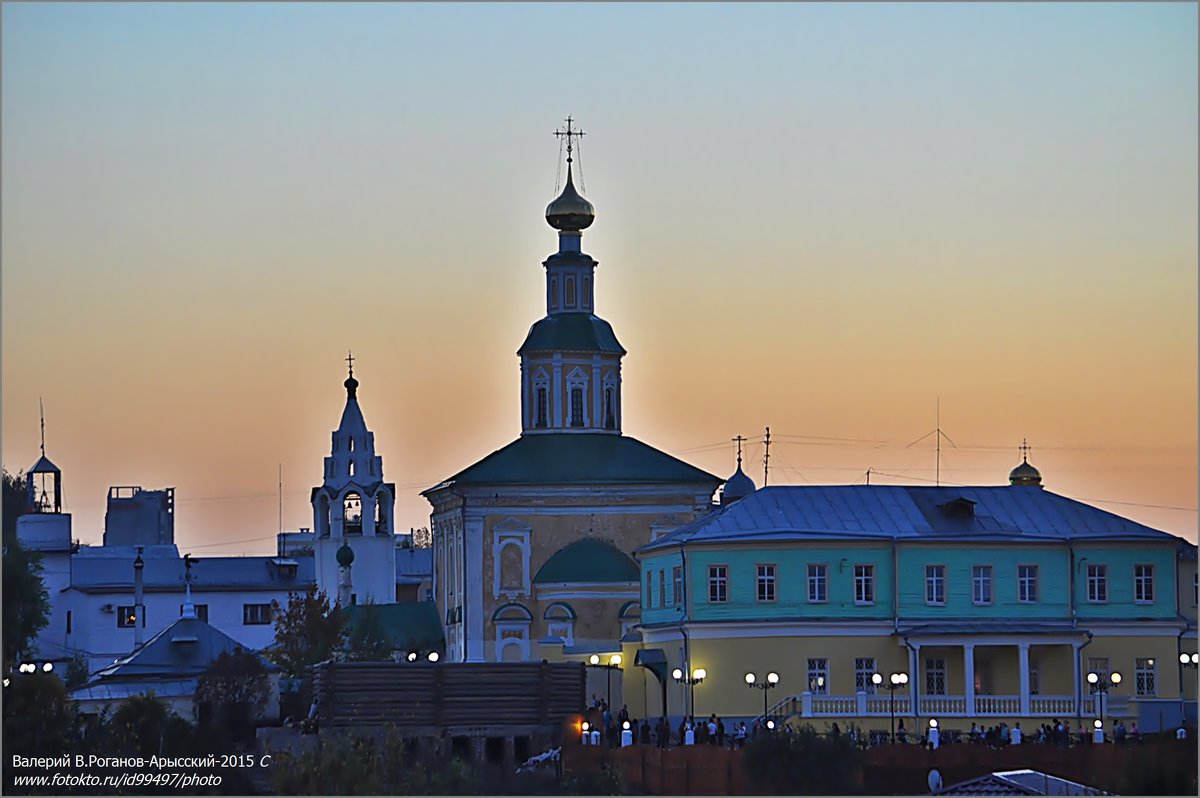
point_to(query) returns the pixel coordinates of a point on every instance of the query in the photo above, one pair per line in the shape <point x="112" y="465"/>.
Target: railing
<point x="881" y="705"/>
<point x="836" y="705"/>
<point x="1054" y="705"/>
<point x="943" y="705"/>
<point x="997" y="705"/>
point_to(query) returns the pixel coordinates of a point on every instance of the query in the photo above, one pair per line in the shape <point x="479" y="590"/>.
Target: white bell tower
<point x="355" y="507"/>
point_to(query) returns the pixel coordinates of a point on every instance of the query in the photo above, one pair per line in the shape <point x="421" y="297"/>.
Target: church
<point x="533" y="544"/>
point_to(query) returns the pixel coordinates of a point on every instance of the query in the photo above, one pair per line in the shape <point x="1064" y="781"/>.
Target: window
<point x="818" y="584"/>
<point x="1027" y="588"/>
<point x="662" y="588"/>
<point x="677" y="584"/>
<point x="1143" y="677"/>
<point x="935" y="584"/>
<point x="127" y="616"/>
<point x="563" y="630"/>
<point x="610" y="419"/>
<point x="1099" y="666"/>
<point x="256" y="614"/>
<point x="818" y="676"/>
<point x="766" y="583"/>
<point x="1143" y="585"/>
<point x="981" y="584"/>
<point x="1097" y="583"/>
<point x="351" y="442"/>
<point x="201" y="611"/>
<point x="864" y="584"/>
<point x="864" y="669"/>
<point x="68" y="622"/>
<point x="1035" y="680"/>
<point x="649" y="589"/>
<point x="540" y="419"/>
<point x="935" y="676"/>
<point x="718" y="583"/>
<point x="576" y="407"/>
<point x="352" y="513"/>
<point x="570" y="284"/>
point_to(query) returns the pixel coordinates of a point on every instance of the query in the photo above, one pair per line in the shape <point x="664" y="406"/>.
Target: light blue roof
<point x="816" y="512"/>
<point x="413" y="565"/>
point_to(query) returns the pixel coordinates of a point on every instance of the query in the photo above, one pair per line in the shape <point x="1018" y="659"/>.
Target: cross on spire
<point x="350" y="361"/>
<point x="42" y="413"/>
<point x="570" y="134"/>
<point x="1024" y="447"/>
<point x="739" y="440"/>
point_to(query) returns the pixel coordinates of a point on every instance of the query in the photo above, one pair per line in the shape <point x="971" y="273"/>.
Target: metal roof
<point x="916" y="513"/>
<point x="414" y="564"/>
<point x="1019" y="782"/>
<point x="571" y="332"/>
<point x="96" y="573"/>
<point x="407" y="625"/>
<point x="184" y="649"/>
<point x="566" y="458"/>
<point x="588" y="560"/>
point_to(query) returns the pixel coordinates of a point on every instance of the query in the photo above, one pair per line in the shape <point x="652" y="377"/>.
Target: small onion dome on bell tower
<point x="1025" y="474"/>
<point x="351" y="383"/>
<point x="345" y="555"/>
<point x="570" y="212"/>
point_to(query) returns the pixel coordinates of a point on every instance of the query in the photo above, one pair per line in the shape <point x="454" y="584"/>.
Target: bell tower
<point x="355" y="507"/>
<point x="571" y="359"/>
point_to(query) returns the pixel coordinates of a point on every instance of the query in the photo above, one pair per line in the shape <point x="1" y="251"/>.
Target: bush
<point x="803" y="763"/>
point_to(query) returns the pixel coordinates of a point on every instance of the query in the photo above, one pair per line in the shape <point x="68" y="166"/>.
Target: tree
<point x="26" y="602"/>
<point x="803" y="763"/>
<point x="77" y="672"/>
<point x="368" y="640"/>
<point x="308" y="631"/>
<point x="233" y="691"/>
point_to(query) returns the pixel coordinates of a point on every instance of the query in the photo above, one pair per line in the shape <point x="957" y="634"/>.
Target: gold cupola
<point x="570" y="212"/>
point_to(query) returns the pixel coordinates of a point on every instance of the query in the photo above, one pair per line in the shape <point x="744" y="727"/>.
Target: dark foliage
<point x="232" y="692"/>
<point x="26" y="603"/>
<point x="307" y="631"/>
<point x="803" y="762"/>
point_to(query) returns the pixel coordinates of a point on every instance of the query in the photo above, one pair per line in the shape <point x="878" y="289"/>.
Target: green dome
<point x="588" y="560"/>
<point x="345" y="555"/>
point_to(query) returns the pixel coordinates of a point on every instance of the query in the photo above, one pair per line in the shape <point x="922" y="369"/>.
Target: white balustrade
<point x="934" y="705"/>
<point x="1052" y="705"/>
<point x="836" y="705"/>
<point x="997" y="705"/>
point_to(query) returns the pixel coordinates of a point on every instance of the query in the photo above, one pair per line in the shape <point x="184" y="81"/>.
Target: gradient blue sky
<point x="818" y="217"/>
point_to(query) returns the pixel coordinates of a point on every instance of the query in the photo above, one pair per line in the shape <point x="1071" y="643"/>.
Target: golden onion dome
<point x="570" y="211"/>
<point x="1024" y="474"/>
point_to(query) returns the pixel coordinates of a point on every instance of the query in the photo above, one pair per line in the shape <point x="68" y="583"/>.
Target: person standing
<point x="1014" y="734"/>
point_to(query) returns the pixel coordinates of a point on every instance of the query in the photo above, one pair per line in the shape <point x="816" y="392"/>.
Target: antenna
<point x="938" y="435"/>
<point x="766" y="456"/>
<point x="42" y="413"/>
<point x="868" y="476"/>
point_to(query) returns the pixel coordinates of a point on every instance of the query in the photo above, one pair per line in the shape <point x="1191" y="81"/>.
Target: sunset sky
<point x="820" y="218"/>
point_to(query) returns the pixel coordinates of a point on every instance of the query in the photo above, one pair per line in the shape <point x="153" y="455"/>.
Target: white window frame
<point x="662" y="587"/>
<point x="818" y="577"/>
<point x="864" y="584"/>
<point x="766" y="583"/>
<point x="1027" y="584"/>
<point x="864" y="669"/>
<point x="935" y="667"/>
<point x="818" y="675"/>
<point x="1143" y="583"/>
<point x="255" y="614"/>
<point x="981" y="577"/>
<point x="564" y="629"/>
<point x="1097" y="665"/>
<point x="935" y="585"/>
<point x="677" y="585"/>
<point x="124" y="612"/>
<point x="577" y="380"/>
<point x="649" y="590"/>
<point x="1097" y="583"/>
<point x="718" y="584"/>
<point x="1145" y="677"/>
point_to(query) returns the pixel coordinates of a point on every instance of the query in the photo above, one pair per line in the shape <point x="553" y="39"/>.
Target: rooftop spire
<point x="570" y="212"/>
<point x="1024" y="447"/>
<point x="350" y="383"/>
<point x="42" y="413"/>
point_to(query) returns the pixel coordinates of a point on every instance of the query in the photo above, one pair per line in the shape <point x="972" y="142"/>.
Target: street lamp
<point x="691" y="681"/>
<point x="614" y="663"/>
<point x="1189" y="660"/>
<point x="1101" y="684"/>
<point x="894" y="683"/>
<point x="771" y="681"/>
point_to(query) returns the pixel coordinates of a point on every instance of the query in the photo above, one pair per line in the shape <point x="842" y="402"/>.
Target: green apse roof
<point x="588" y="560"/>
<point x="564" y="458"/>
<point x="571" y="332"/>
<point x="408" y="625"/>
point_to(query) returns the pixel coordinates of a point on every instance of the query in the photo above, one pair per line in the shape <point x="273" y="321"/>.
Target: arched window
<point x="541" y="419"/>
<point x="351" y="468"/>
<point x="576" y="407"/>
<point x="610" y="420"/>
<point x="351" y="443"/>
<point x="380" y="512"/>
<point x="352" y="514"/>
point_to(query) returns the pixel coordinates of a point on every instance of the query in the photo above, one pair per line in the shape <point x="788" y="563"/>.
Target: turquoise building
<point x="995" y="603"/>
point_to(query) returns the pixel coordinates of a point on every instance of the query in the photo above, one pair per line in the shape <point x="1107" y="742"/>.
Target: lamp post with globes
<point x="691" y="681"/>
<point x="1101" y="684"/>
<point x="894" y="683"/>
<point x="614" y="663"/>
<point x="771" y="680"/>
<point x="1189" y="660"/>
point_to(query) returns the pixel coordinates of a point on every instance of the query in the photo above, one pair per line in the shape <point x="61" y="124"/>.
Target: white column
<point x="473" y="590"/>
<point x="969" y="676"/>
<point x="1023" y="665"/>
<point x="915" y="680"/>
<point x="1077" y="698"/>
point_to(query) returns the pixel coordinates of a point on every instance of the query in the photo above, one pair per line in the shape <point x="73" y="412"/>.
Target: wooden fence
<point x="423" y="697"/>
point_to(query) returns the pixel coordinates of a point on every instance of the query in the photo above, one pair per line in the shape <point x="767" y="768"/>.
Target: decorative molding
<point x="510" y="532"/>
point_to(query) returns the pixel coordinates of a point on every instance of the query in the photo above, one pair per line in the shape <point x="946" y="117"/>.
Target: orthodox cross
<point x="766" y="456"/>
<point x="1024" y="447"/>
<point x="42" y="413"/>
<point x="739" y="440"/>
<point x="570" y="134"/>
<point x="350" y="361"/>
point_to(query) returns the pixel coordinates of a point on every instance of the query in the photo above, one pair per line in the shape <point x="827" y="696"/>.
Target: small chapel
<point x="533" y="544"/>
